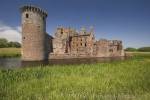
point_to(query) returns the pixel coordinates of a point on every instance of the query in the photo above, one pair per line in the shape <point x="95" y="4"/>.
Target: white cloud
<point x="10" y="33"/>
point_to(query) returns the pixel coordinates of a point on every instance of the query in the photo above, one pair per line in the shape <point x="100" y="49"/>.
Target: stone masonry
<point x="34" y="36"/>
<point x="66" y="43"/>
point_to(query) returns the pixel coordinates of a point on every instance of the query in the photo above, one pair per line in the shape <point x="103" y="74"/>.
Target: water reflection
<point x="16" y="62"/>
<point x="10" y="62"/>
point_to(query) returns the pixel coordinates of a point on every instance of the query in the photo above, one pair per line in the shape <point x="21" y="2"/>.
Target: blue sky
<point x="126" y="20"/>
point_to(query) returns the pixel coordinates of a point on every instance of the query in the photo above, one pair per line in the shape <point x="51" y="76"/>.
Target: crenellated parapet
<point x="33" y="8"/>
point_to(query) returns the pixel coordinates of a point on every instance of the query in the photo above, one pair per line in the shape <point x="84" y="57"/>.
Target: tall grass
<point x="10" y="52"/>
<point x="120" y="80"/>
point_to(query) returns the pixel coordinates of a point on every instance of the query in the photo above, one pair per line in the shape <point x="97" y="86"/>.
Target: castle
<point x="66" y="43"/>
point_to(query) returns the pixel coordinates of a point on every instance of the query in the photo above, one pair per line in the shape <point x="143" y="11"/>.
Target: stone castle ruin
<point x="66" y="43"/>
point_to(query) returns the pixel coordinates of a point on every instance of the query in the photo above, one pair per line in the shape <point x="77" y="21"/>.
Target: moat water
<point x="10" y="63"/>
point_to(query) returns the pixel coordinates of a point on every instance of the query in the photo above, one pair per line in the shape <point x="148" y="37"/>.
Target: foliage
<point x="144" y="49"/>
<point x="130" y="49"/>
<point x="5" y="44"/>
<point x="120" y="80"/>
<point x="14" y="44"/>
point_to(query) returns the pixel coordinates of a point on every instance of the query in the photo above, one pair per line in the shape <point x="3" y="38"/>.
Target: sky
<point x="126" y="20"/>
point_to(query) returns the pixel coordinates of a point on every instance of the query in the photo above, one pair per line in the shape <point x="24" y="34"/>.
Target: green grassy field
<point x="10" y="52"/>
<point x="119" y="80"/>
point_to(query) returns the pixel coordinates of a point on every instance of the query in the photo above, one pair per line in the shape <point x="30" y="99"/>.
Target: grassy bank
<point x="121" y="80"/>
<point x="10" y="52"/>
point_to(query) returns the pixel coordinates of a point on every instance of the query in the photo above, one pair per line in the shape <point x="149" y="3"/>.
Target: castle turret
<point x="33" y="33"/>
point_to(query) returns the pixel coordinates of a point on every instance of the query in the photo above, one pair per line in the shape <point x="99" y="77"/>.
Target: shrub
<point x="144" y="49"/>
<point x="4" y="43"/>
<point x="130" y="49"/>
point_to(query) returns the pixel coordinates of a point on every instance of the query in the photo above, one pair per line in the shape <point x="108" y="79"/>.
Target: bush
<point x="14" y="44"/>
<point x="4" y="43"/>
<point x="144" y="49"/>
<point x="130" y="49"/>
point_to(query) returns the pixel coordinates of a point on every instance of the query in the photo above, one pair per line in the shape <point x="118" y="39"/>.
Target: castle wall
<point x="115" y="48"/>
<point x="101" y="48"/>
<point x="60" y="41"/>
<point x="49" y="44"/>
<point x="33" y="34"/>
<point x="66" y="43"/>
<point x="83" y="45"/>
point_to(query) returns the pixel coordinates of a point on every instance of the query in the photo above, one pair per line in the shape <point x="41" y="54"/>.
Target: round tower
<point x="33" y="33"/>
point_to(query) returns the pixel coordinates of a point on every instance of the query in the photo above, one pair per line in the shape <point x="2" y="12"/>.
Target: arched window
<point x="85" y="44"/>
<point x="110" y="50"/>
<point x="119" y="48"/>
<point x="27" y="15"/>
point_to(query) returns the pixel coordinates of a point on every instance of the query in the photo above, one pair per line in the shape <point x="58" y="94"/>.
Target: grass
<point x="10" y="52"/>
<point x="119" y="80"/>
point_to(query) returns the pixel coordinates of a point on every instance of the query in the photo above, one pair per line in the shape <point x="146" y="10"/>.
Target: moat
<point x="11" y="63"/>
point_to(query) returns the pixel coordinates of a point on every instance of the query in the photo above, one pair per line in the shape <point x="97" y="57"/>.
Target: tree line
<point x="4" y="43"/>
<point x="142" y="49"/>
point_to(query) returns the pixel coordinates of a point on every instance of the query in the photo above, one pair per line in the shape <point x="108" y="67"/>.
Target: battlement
<point x="33" y="9"/>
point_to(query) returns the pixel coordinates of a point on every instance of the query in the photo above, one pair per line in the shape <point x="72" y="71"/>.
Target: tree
<point x="131" y="49"/>
<point x="17" y="44"/>
<point x="144" y="49"/>
<point x="14" y="44"/>
<point x="3" y="43"/>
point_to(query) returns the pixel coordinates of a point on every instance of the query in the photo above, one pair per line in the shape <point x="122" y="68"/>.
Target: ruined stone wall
<point x="68" y="43"/>
<point x="108" y="48"/>
<point x="59" y="46"/>
<point x="115" y="48"/>
<point x="60" y="41"/>
<point x="101" y="48"/>
<point x="49" y="43"/>
<point x="81" y="45"/>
